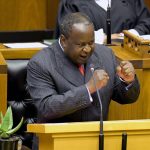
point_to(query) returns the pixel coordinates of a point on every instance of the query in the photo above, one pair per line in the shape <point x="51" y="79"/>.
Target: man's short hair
<point x="73" y="18"/>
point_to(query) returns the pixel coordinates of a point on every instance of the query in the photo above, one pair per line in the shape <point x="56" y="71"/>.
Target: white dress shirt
<point x="103" y="3"/>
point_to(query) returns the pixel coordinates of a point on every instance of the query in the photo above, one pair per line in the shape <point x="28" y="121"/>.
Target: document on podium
<point x="49" y="41"/>
<point x="25" y="45"/>
<point x="145" y="37"/>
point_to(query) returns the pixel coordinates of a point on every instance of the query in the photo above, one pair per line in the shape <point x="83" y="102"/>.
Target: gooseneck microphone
<point x="101" y="135"/>
<point x="108" y="24"/>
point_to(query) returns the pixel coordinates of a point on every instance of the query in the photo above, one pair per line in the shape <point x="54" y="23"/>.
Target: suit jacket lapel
<point x="70" y="71"/>
<point x="67" y="68"/>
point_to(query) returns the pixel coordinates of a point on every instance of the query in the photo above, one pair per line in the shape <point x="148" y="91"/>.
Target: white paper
<point x="25" y="45"/>
<point x="145" y="37"/>
<point x="99" y="36"/>
<point x="133" y="31"/>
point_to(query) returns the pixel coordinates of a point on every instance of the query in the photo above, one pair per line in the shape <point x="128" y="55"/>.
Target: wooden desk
<point x="18" y="53"/>
<point x="84" y="135"/>
<point x="2" y="46"/>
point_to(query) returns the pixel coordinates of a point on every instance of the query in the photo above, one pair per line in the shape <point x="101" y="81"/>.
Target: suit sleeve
<point x="121" y="93"/>
<point x="49" y="103"/>
<point x="143" y="17"/>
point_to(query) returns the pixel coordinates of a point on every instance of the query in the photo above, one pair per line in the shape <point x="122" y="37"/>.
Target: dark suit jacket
<point x="125" y="14"/>
<point x="58" y="88"/>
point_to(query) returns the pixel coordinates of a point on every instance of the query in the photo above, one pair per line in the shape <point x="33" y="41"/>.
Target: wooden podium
<point x="84" y="136"/>
<point x="137" y="51"/>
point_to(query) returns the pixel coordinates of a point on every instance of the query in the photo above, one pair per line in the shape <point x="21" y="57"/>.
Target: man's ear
<point x="63" y="41"/>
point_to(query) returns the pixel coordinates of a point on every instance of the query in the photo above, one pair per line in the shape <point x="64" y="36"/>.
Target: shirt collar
<point x="60" y="45"/>
<point x="103" y="3"/>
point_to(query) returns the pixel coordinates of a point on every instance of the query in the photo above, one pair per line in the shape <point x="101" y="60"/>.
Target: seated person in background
<point x="60" y="81"/>
<point x="125" y="14"/>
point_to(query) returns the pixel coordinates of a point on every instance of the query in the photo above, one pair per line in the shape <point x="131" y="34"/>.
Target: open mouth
<point x="83" y="57"/>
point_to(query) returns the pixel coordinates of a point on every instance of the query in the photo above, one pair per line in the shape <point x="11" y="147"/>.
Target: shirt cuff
<point x="91" y="99"/>
<point x="128" y="86"/>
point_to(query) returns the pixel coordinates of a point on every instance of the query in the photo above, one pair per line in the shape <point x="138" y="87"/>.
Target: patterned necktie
<point x="81" y="69"/>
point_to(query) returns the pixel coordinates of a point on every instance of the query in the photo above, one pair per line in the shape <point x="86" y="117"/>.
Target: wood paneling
<point x="3" y="84"/>
<point x="23" y="14"/>
<point x="138" y="110"/>
<point x="147" y="2"/>
<point x="52" y="13"/>
<point x="28" y="14"/>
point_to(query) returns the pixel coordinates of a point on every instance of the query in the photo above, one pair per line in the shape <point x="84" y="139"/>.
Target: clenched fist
<point x="126" y="71"/>
<point x="101" y="79"/>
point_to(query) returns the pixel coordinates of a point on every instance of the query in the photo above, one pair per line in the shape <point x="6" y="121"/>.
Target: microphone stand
<point x="101" y="135"/>
<point x="124" y="141"/>
<point x="108" y="25"/>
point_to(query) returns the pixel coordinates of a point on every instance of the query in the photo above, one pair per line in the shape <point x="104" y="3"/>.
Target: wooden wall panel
<point x="139" y="109"/>
<point x="147" y="2"/>
<point x="23" y="14"/>
<point x="3" y="84"/>
<point x="3" y="93"/>
<point x="52" y="7"/>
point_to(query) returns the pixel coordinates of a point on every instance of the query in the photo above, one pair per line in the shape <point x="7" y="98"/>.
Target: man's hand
<point x="126" y="71"/>
<point x="101" y="79"/>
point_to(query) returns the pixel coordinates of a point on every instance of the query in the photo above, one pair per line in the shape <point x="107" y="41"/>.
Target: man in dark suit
<point x="60" y="80"/>
<point x="125" y="14"/>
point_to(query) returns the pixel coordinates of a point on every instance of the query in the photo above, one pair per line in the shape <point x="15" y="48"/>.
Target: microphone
<point x="108" y="24"/>
<point x="101" y="135"/>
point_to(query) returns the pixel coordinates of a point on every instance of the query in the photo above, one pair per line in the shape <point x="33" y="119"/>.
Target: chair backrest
<point x="18" y="97"/>
<point x="25" y="36"/>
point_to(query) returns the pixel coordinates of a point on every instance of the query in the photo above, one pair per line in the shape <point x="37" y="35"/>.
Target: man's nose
<point x="87" y="48"/>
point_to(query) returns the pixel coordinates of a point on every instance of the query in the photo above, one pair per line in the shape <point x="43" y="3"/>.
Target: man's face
<point x="80" y="43"/>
